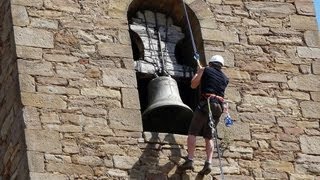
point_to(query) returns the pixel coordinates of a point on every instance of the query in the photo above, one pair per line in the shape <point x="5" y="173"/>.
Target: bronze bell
<point x="166" y="112"/>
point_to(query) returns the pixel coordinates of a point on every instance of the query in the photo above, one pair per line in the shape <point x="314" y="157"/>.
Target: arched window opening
<point x="162" y="48"/>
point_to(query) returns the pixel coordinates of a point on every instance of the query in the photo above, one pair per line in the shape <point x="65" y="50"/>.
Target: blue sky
<point x="317" y="7"/>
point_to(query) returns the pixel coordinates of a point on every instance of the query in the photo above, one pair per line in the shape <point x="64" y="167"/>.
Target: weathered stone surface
<point x="310" y="23"/>
<point x="25" y="52"/>
<point x="31" y="118"/>
<point x="258" y="118"/>
<point x="310" y="109"/>
<point x="35" y="68"/>
<point x="302" y="158"/>
<point x="201" y="9"/>
<point x="232" y="94"/>
<point x="69" y="169"/>
<point x="70" y="146"/>
<point x="270" y="9"/>
<point x="47" y="176"/>
<point x="130" y="98"/>
<point x="315" y="96"/>
<point x="72" y="71"/>
<point x="50" y="118"/>
<point x="301" y="177"/>
<point x="216" y="35"/>
<point x="60" y="58"/>
<point x="237" y="74"/>
<point x="87" y="160"/>
<point x="306" y="52"/>
<point x="312" y="38"/>
<point x="259" y="100"/>
<point x="33" y="37"/>
<point x="233" y="133"/>
<point x="32" y="3"/>
<point x="58" y="90"/>
<point x="310" y="144"/>
<point x="101" y="91"/>
<point x="43" y="100"/>
<point x="305" y="8"/>
<point x="64" y="128"/>
<point x="305" y="83"/>
<point x="285" y="146"/>
<point x="52" y="80"/>
<point x="125" y="119"/>
<point x="119" y="78"/>
<point x="115" y="50"/>
<point x="62" y="5"/>
<point x="41" y="23"/>
<point x="278" y="166"/>
<point x="124" y="162"/>
<point x="316" y="67"/>
<point x="35" y="161"/>
<point x="110" y="149"/>
<point x="27" y="83"/>
<point x="19" y="15"/>
<point x="43" y="141"/>
<point x="98" y="126"/>
<point x="272" y="77"/>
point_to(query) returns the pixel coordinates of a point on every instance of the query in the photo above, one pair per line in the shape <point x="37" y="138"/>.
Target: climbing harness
<point x="196" y="54"/>
<point x="214" y="131"/>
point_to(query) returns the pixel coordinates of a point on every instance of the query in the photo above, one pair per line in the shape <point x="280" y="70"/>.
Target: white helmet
<point x="217" y="58"/>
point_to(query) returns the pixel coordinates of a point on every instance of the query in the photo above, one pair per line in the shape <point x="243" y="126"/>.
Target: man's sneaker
<point x="206" y="169"/>
<point x="188" y="164"/>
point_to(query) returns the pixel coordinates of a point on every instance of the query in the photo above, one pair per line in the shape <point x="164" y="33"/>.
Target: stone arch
<point x="153" y="21"/>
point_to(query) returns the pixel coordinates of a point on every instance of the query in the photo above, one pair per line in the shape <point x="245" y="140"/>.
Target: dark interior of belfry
<point x="163" y="111"/>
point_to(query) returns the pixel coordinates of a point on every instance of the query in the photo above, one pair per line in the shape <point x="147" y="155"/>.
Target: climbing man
<point x="213" y="83"/>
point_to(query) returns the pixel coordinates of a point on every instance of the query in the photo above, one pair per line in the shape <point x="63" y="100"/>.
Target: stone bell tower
<point x="74" y="74"/>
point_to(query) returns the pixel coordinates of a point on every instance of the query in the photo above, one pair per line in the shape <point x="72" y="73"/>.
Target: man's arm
<point x="197" y="78"/>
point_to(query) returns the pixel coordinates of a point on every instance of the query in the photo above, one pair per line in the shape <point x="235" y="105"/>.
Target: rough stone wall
<point x="13" y="163"/>
<point x="81" y="106"/>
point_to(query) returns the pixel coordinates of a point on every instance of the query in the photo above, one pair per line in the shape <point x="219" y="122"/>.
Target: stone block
<point x="310" y="109"/>
<point x="49" y="118"/>
<point x="33" y="37"/>
<point x="270" y="9"/>
<point x="315" y="96"/>
<point x="285" y="146"/>
<point x="69" y="169"/>
<point x="309" y="22"/>
<point x="25" y="52"/>
<point x="312" y="38"/>
<point x="27" y="83"/>
<point x="64" y="128"/>
<point x="316" y="67"/>
<point x="310" y="144"/>
<point x="303" y="158"/>
<point x="70" y="71"/>
<point x="70" y="146"/>
<point x="130" y="98"/>
<point x="30" y="3"/>
<point x="47" y="176"/>
<point x="259" y="100"/>
<point x="237" y="74"/>
<point x="62" y="5"/>
<point x="60" y="58"/>
<point x="258" y="118"/>
<point x="87" y="160"/>
<point x="209" y="23"/>
<point x="272" y="77"/>
<point x="125" y="119"/>
<point x="44" y="23"/>
<point x="52" y="80"/>
<point x="35" y="68"/>
<point x="101" y="92"/>
<point x="232" y="94"/>
<point x="306" y="52"/>
<point x="119" y="78"/>
<point x="97" y="126"/>
<point x="35" y="161"/>
<point x="201" y="9"/>
<point x="19" y="15"/>
<point x="217" y="35"/>
<point x="305" y="82"/>
<point x="278" y="166"/>
<point x="301" y="177"/>
<point x="58" y="90"/>
<point x="305" y="7"/>
<point x="31" y="118"/>
<point x="115" y="50"/>
<point x="43" y="141"/>
<point x="285" y="40"/>
<point x="233" y="131"/>
<point x="118" y="9"/>
<point x="125" y="162"/>
<point x="43" y="100"/>
<point x="110" y="149"/>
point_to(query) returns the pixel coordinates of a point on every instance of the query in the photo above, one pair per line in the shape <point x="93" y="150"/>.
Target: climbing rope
<point x="196" y="54"/>
<point x="214" y="131"/>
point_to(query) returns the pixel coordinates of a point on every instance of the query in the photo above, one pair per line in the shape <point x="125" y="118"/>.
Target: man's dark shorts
<point x="200" y="122"/>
